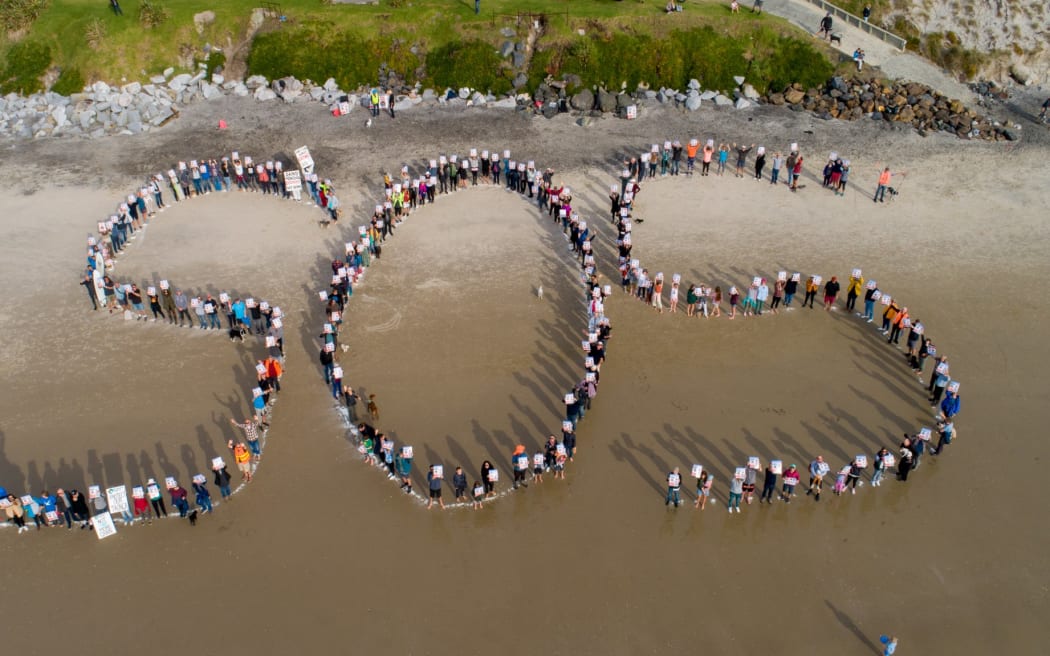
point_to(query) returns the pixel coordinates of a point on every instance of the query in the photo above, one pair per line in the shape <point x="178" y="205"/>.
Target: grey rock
<point x="519" y="59"/>
<point x="507" y="49"/>
<point x="623" y="101"/>
<point x="708" y="95"/>
<point x="505" y="103"/>
<point x="256" y="81"/>
<point x="265" y="93"/>
<point x="217" y="78"/>
<point x="679" y="97"/>
<point x="876" y="116"/>
<point x="404" y="103"/>
<point x="429" y="94"/>
<point x="692" y="103"/>
<point x="750" y="93"/>
<point x="317" y="93"/>
<point x="464" y="93"/>
<point x="1010" y="135"/>
<point x="722" y="101"/>
<point x="124" y="100"/>
<point x="739" y="79"/>
<point x="478" y="99"/>
<point x="507" y="32"/>
<point x="649" y="94"/>
<point x="168" y="72"/>
<point x="132" y="88"/>
<point x="331" y="85"/>
<point x="164" y="114"/>
<point x="100" y="87"/>
<point x="59" y="114"/>
<point x="240" y="90"/>
<point x="133" y="116"/>
<point x="134" y="128"/>
<point x="606" y="101"/>
<point x="586" y="121"/>
<point x="210" y="91"/>
<point x="520" y="80"/>
<point x="743" y="103"/>
<point x="694" y="84"/>
<point x="584" y="100"/>
<point x="179" y="82"/>
<point x="86" y="117"/>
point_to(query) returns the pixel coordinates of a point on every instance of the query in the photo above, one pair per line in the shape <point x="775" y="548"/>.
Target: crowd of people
<point x="404" y="195"/>
<point x="228" y="312"/>
<point x="706" y="300"/>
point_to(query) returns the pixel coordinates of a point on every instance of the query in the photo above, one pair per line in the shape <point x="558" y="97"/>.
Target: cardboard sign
<point x="103" y="524"/>
<point x="493" y="475"/>
<point x="306" y="162"/>
<point x="777" y="467"/>
<point x="292" y="180"/>
<point x="740" y="473"/>
<point x="698" y="470"/>
<point x="337" y="373"/>
<point x="217" y="463"/>
<point x="560" y="449"/>
<point x="862" y="461"/>
<point x="117" y="498"/>
<point x="817" y="280"/>
<point x="170" y="483"/>
<point x="754" y="463"/>
<point x="889" y="460"/>
<point x="154" y="491"/>
<point x="796" y="277"/>
<point x="674" y="480"/>
<point x="94" y="491"/>
<point x="538" y="460"/>
<point x="138" y="493"/>
<point x="953" y="387"/>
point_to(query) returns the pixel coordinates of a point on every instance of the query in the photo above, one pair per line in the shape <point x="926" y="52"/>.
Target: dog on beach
<point x="193" y="517"/>
<point x="237" y="332"/>
<point x="373" y="409"/>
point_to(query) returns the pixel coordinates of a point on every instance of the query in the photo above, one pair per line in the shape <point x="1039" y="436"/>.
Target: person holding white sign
<point x="811" y="292"/>
<point x="818" y="469"/>
<point x="488" y="479"/>
<point x="736" y="491"/>
<point x="879" y="466"/>
<point x="520" y="465"/>
<point x="853" y="476"/>
<point x="950" y="405"/>
<point x="791" y="478"/>
<point x="434" y="483"/>
<point x="946" y="431"/>
<point x="674" y="488"/>
<point x="403" y="465"/>
<point x="769" y="485"/>
<point x="703" y="489"/>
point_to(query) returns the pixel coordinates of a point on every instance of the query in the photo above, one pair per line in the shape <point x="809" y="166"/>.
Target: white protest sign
<point x="953" y="387"/>
<point x="942" y="368"/>
<point x="336" y="316"/>
<point x="493" y="475"/>
<point x="886" y="299"/>
<point x="94" y="491"/>
<point x="776" y="466"/>
<point x="103" y="524"/>
<point x="856" y="273"/>
<point x="862" y="461"/>
<point x="876" y="295"/>
<point x="169" y="482"/>
<point x="537" y="460"/>
<point x="439" y="471"/>
<point x="817" y="280"/>
<point x="154" y="491"/>
<point x="224" y="297"/>
<point x="260" y="368"/>
<point x="698" y="470"/>
<point x="199" y="479"/>
<point x="754" y="463"/>
<point x="560" y="449"/>
<point x="271" y="341"/>
<point x="138" y="493"/>
<point x="674" y="480"/>
<point x="796" y="277"/>
<point x="117" y="498"/>
<point x="872" y="284"/>
<point x="782" y="276"/>
<point x="329" y="347"/>
<point x="293" y="180"/>
<point x="337" y="373"/>
<point x="756" y="281"/>
<point x="164" y="284"/>
<point x="406" y="451"/>
<point x="889" y="460"/>
<point x="740" y="473"/>
<point x="306" y="162"/>
<point x="256" y="392"/>
<point x="570" y="399"/>
<point x="523" y="461"/>
<point x="217" y="463"/>
<point x="323" y="295"/>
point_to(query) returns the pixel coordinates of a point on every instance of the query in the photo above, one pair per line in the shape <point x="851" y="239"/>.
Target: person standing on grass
<point x="674" y="487"/>
<point x="115" y="6"/>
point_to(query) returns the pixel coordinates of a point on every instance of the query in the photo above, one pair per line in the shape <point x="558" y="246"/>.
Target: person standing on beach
<point x="703" y="490"/>
<point x="907" y="456"/>
<point x="853" y="289"/>
<point x="487" y="478"/>
<point x="459" y="484"/>
<point x="885" y="177"/>
<point x="897" y="326"/>
<point x="796" y="173"/>
<point x="869" y="302"/>
<point x="811" y="292"/>
<point x="791" y="478"/>
<point x="879" y="466"/>
<point x="853" y="476"/>
<point x="88" y="283"/>
<point x="434" y="483"/>
<point x="520" y="466"/>
<point x="831" y="292"/>
<point x="946" y="432"/>
<point x="736" y="490"/>
<point x="769" y="485"/>
<point x="778" y="295"/>
<point x="818" y="469"/>
<point x="674" y="487"/>
<point x="403" y="465"/>
<point x="762" y="295"/>
<point x="741" y="158"/>
<point x="889" y="642"/>
<point x="790" y="289"/>
<point x="705" y="164"/>
<point x="950" y="405"/>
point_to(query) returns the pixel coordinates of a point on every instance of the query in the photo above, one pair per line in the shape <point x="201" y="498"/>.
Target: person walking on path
<point x="674" y="487"/>
<point x="826" y="24"/>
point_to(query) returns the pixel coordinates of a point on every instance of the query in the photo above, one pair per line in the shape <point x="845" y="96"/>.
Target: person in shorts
<point x="434" y="483"/>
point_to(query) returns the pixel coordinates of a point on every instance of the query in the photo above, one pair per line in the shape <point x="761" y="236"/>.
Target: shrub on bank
<point x="467" y="63"/>
<point x="26" y="64"/>
<point x="69" y="81"/>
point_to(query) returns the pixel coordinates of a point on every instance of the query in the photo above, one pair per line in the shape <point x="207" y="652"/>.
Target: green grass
<point x="24" y="67"/>
<point x="349" y="42"/>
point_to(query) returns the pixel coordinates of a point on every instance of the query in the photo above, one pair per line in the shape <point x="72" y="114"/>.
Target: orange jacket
<point x="690" y="150"/>
<point x="240" y="454"/>
<point x="273" y="368"/>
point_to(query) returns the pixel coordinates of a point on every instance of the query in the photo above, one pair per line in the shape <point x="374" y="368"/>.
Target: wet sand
<point x="323" y="550"/>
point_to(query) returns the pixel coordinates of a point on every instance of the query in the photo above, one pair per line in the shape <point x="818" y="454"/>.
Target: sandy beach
<point x="467" y="361"/>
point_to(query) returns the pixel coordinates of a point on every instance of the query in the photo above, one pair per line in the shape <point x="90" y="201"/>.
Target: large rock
<point x="202" y="20"/>
<point x="59" y="116"/>
<point x="606" y="101"/>
<point x="478" y="99"/>
<point x="708" y="95"/>
<point x="464" y="93"/>
<point x="265" y="93"/>
<point x="750" y="93"/>
<point x="256" y="81"/>
<point x="623" y="101"/>
<point x="743" y="103"/>
<point x="694" y="84"/>
<point x="739" y="79"/>
<point x="794" y="96"/>
<point x="218" y="79"/>
<point x="722" y="101"/>
<point x="100" y="88"/>
<point x="507" y="49"/>
<point x="179" y="82"/>
<point x="132" y="88"/>
<point x="429" y="94"/>
<point x="505" y="103"/>
<point x="240" y="90"/>
<point x="158" y="79"/>
<point x="331" y="85"/>
<point x="692" y="102"/>
<point x="210" y="91"/>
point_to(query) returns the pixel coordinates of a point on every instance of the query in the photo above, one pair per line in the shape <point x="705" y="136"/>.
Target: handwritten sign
<point x="872" y="284"/>
<point x="103" y="525"/>
<point x="306" y="162"/>
<point x="876" y="295"/>
<point x="117" y="498"/>
<point x="217" y="463"/>
<point x="674" y="480"/>
<point x="164" y="284"/>
<point x="796" y="277"/>
<point x="170" y="483"/>
<point x="537" y="460"/>
<point x="698" y="470"/>
<point x="94" y="491"/>
<point x="292" y="180"/>
<point x="776" y="466"/>
<point x="256" y="392"/>
<point x="154" y="491"/>
<point x="886" y="299"/>
<point x="861" y="460"/>
<point x="856" y="273"/>
<point x="337" y="373"/>
<point x="560" y="449"/>
<point x="740" y="473"/>
<point x="406" y="451"/>
<point x="754" y="463"/>
<point x="889" y="460"/>
<point x="493" y="475"/>
<point x="817" y="280"/>
<point x="942" y="368"/>
<point x="522" y="461"/>
<point x="756" y="281"/>
<point x="199" y="479"/>
<point x="570" y="399"/>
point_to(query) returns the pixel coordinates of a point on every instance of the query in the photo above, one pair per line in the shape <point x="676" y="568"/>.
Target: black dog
<point x="835" y="38"/>
<point x="237" y="333"/>
<point x="193" y="517"/>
